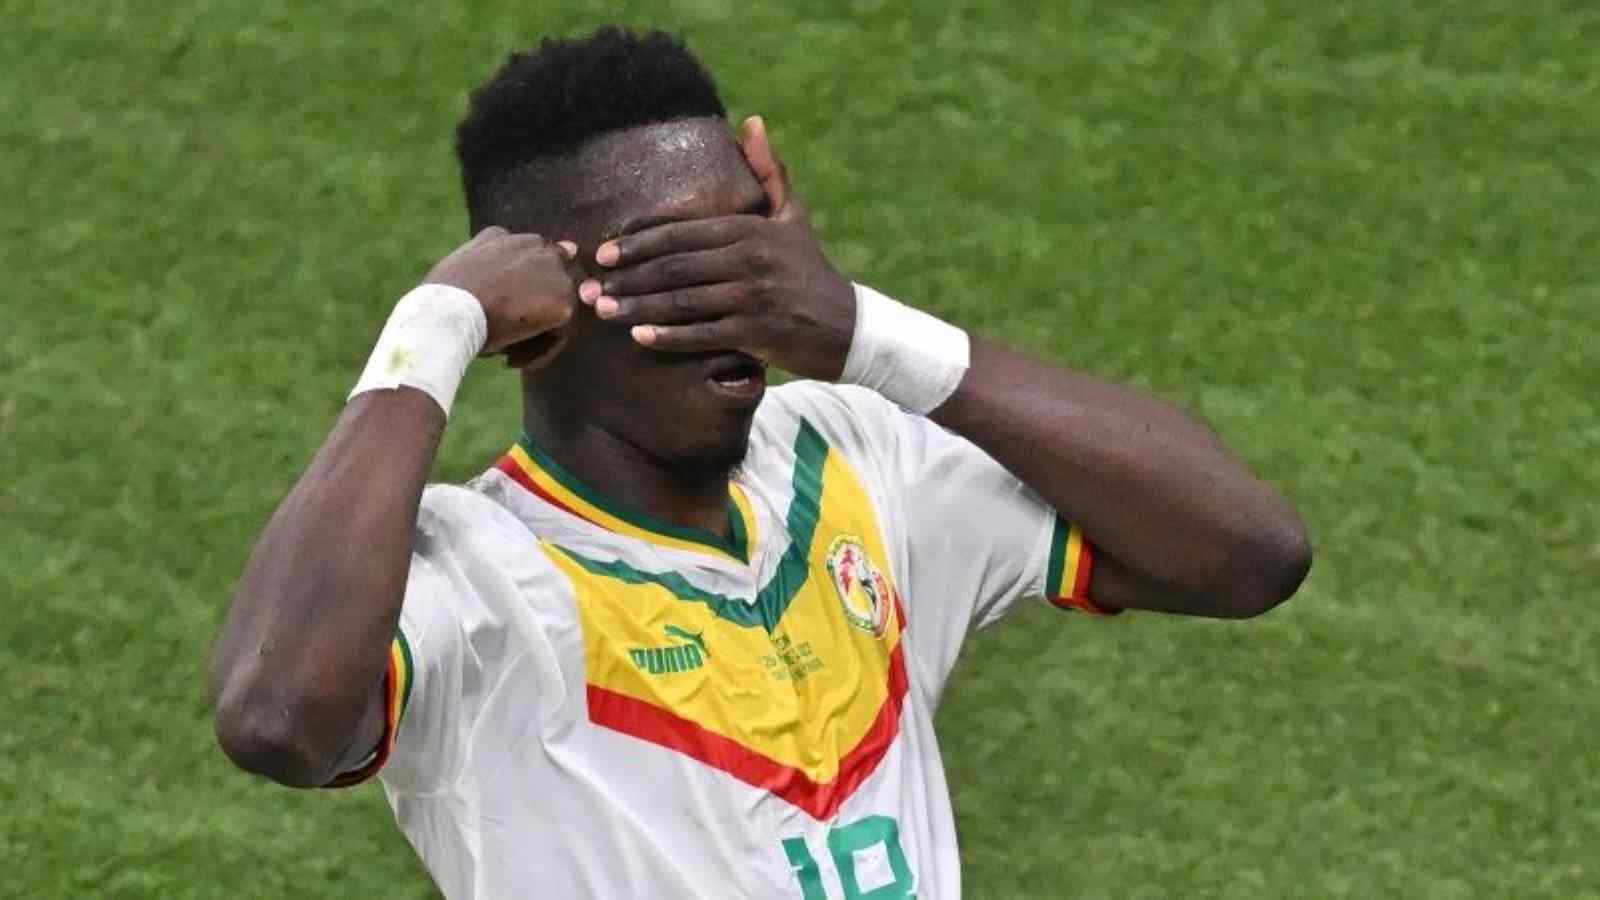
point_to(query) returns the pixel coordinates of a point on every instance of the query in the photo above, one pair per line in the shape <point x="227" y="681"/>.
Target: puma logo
<point x="693" y="638"/>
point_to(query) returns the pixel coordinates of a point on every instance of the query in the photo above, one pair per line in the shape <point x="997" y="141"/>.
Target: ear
<point x="768" y="168"/>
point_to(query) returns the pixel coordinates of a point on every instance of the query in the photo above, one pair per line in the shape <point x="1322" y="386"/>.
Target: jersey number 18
<point x="844" y="842"/>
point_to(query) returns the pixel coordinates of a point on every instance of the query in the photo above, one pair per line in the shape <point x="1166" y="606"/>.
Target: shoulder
<point x="450" y="513"/>
<point x="845" y="415"/>
<point x="855" y="420"/>
<point x="822" y="400"/>
<point x="478" y="575"/>
<point x="466" y="537"/>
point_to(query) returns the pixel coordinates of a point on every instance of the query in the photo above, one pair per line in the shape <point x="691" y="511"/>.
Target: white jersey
<point x="584" y="702"/>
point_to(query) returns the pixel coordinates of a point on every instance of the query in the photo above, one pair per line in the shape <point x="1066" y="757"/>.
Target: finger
<point x="671" y="272"/>
<point x="526" y="239"/>
<point x="673" y="237"/>
<point x="766" y="165"/>
<point x="518" y="239"/>
<point x="672" y="307"/>
<point x="695" y="337"/>
<point x="534" y="353"/>
<point x="484" y="237"/>
<point x="536" y="249"/>
<point x="529" y="322"/>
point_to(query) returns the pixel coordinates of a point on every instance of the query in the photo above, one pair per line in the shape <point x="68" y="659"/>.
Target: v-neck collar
<point x="534" y="470"/>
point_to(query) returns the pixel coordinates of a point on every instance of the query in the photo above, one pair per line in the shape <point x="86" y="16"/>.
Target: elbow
<point x="1267" y="568"/>
<point x="265" y="739"/>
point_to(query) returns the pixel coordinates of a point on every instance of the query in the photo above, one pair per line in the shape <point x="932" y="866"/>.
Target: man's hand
<point x="525" y="286"/>
<point x="758" y="284"/>
<point x="297" y="672"/>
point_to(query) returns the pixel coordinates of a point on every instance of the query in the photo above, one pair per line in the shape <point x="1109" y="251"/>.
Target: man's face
<point x="688" y="410"/>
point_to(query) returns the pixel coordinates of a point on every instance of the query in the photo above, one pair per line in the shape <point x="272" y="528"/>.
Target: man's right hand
<point x="524" y="283"/>
<point x="297" y="673"/>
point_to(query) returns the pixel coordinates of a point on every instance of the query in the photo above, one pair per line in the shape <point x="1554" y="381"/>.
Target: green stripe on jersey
<point x="1058" y="558"/>
<point x="411" y="673"/>
<point x="772" y="601"/>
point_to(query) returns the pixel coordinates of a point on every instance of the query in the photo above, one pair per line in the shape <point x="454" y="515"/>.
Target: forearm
<point x="1182" y="523"/>
<point x="303" y="649"/>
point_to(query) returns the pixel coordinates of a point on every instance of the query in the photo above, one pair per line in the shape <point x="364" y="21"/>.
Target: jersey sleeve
<point x="976" y="542"/>
<point x="422" y="686"/>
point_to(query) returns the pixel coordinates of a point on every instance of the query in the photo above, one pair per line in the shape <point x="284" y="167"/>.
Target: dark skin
<point x="645" y="427"/>
<point x="696" y="258"/>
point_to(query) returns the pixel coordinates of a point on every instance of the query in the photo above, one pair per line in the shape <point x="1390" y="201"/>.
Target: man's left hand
<point x="757" y="284"/>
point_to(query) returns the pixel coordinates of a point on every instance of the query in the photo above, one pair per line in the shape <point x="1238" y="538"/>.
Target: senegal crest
<point x="863" y="590"/>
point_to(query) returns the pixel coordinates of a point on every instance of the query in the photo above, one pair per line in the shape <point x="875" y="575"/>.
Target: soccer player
<point x="686" y="637"/>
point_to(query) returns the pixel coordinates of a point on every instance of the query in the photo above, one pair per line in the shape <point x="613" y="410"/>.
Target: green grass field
<point x="1359" y="238"/>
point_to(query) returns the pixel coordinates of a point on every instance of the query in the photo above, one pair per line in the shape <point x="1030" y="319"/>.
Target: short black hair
<point x="547" y="101"/>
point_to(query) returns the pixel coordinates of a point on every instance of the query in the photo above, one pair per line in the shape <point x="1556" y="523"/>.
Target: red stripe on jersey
<point x="821" y="801"/>
<point x="1079" y="597"/>
<point x="509" y="466"/>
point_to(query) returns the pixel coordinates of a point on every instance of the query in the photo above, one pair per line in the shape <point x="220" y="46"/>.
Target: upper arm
<point x="974" y="541"/>
<point x="970" y="525"/>
<point x="1117" y="587"/>
<point x="410" y="729"/>
<point x="979" y="544"/>
<point x="380" y="721"/>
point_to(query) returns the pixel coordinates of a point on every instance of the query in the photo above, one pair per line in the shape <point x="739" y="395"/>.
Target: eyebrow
<point x="760" y="207"/>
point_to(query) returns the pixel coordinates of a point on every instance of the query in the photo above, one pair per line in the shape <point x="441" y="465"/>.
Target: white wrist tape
<point x="908" y="356"/>
<point x="430" y="338"/>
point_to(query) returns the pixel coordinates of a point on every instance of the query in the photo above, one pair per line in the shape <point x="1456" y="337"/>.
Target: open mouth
<point x="737" y="375"/>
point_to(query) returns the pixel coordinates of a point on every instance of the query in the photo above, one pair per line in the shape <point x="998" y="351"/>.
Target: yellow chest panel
<point x="797" y="690"/>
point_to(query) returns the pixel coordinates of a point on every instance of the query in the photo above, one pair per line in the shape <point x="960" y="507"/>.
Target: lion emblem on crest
<point x="864" y="592"/>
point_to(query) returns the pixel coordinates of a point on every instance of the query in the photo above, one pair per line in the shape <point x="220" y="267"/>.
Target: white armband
<point x="430" y="338"/>
<point x="908" y="356"/>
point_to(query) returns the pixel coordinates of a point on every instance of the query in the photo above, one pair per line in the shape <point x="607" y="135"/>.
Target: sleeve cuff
<point x="1071" y="563"/>
<point x="396" y="694"/>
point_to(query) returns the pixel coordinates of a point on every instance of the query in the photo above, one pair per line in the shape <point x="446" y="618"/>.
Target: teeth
<point x="738" y="377"/>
